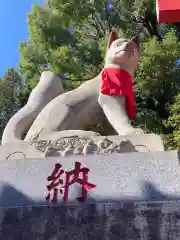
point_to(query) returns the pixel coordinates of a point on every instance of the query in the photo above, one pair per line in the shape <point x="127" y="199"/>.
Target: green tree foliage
<point x="173" y="140"/>
<point x="61" y="41"/>
<point x="157" y="82"/>
<point x="69" y="37"/>
<point x="11" y="96"/>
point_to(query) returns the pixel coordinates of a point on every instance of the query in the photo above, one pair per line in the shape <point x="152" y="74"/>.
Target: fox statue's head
<point x="123" y="52"/>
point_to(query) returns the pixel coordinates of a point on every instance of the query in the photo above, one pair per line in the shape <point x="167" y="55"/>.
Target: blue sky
<point x="13" y="27"/>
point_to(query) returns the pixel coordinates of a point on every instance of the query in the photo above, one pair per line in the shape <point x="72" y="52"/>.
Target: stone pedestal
<point x="136" y="196"/>
<point x="76" y="145"/>
<point x="113" y="221"/>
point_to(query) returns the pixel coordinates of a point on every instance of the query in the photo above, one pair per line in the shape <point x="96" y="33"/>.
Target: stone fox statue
<point x="50" y="111"/>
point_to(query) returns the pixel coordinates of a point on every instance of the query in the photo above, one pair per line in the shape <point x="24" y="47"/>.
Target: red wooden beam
<point x="168" y="11"/>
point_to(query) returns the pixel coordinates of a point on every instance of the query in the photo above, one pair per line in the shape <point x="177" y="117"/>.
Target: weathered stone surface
<point x="133" y="176"/>
<point x="113" y="221"/>
<point x="135" y="198"/>
<point x="19" y="150"/>
<point x="114" y="109"/>
<point x="49" y="87"/>
<point x="76" y="109"/>
<point x="99" y="144"/>
<point x="73" y="143"/>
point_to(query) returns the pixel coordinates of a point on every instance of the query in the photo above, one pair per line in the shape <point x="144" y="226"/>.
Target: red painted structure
<point x="168" y="11"/>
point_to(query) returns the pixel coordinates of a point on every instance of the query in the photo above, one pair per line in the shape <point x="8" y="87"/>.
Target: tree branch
<point x="97" y="20"/>
<point x="107" y="17"/>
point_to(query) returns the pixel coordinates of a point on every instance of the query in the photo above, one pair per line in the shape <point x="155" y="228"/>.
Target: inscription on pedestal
<point x="76" y="145"/>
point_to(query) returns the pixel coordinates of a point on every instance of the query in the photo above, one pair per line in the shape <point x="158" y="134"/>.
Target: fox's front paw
<point x="132" y="131"/>
<point x="137" y="131"/>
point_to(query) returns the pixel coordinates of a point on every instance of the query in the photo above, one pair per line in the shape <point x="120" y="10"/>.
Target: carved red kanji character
<point x="56" y="180"/>
<point x="71" y="178"/>
<point x="75" y="174"/>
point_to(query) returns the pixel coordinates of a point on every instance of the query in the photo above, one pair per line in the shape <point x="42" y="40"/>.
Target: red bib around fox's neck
<point x="117" y="81"/>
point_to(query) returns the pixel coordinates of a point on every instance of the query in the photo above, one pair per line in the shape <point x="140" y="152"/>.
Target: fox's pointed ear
<point x="137" y="41"/>
<point x="113" y="36"/>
